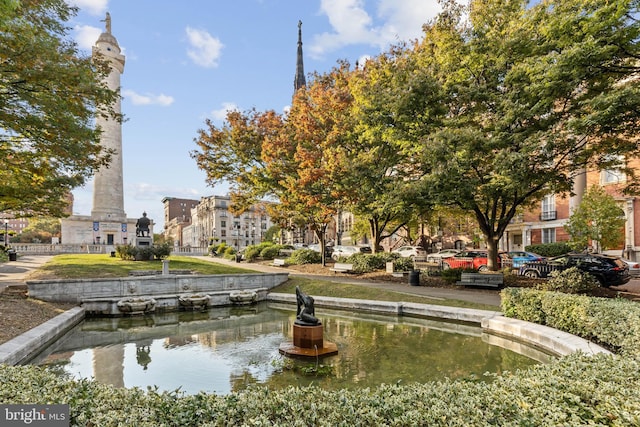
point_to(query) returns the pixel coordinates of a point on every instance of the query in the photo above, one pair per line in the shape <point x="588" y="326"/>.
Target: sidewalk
<point x="15" y="272"/>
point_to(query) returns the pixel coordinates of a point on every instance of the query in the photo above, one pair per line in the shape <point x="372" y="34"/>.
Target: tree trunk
<point x="492" y="254"/>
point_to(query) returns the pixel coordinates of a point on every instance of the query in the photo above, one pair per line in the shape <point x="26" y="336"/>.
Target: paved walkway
<point x="15" y="272"/>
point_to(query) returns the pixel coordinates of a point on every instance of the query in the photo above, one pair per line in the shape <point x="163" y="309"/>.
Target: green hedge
<point x="576" y="390"/>
<point x="613" y="323"/>
<point x="549" y="249"/>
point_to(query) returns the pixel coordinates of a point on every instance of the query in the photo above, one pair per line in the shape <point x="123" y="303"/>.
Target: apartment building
<point x="213" y="222"/>
<point x="544" y="224"/>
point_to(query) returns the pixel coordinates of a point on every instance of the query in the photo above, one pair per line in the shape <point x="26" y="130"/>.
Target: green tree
<point x="40" y="230"/>
<point x="49" y="97"/>
<point x="380" y="182"/>
<point x="532" y="96"/>
<point x="598" y="218"/>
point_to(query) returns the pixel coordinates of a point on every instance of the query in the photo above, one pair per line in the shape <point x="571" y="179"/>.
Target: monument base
<point x="308" y="342"/>
<point x="144" y="241"/>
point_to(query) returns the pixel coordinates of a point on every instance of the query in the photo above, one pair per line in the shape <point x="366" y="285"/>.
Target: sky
<point x="194" y="60"/>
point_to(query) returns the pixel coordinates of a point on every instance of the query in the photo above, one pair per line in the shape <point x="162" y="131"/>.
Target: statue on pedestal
<point x="306" y="313"/>
<point x="142" y="226"/>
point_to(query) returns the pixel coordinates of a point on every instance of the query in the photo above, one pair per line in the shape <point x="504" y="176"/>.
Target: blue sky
<point x="192" y="60"/>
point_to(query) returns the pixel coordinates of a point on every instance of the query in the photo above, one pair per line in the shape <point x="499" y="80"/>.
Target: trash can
<point x="414" y="277"/>
<point x="13" y="255"/>
<point x="238" y="257"/>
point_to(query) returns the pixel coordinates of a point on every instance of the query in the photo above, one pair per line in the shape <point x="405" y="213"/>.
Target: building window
<point x="613" y="175"/>
<point x="223" y="224"/>
<point x="548" y="235"/>
<point x="223" y="233"/>
<point x="548" y="208"/>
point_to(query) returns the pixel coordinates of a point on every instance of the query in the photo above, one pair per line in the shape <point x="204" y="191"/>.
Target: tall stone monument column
<point x="108" y="197"/>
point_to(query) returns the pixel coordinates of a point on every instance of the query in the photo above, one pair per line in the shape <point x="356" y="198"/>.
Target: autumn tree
<point x="599" y="219"/>
<point x="290" y="158"/>
<point x="50" y="94"/>
<point x="532" y="96"/>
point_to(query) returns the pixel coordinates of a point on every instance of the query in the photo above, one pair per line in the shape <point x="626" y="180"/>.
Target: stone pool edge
<point x="32" y="342"/>
<point x="548" y="339"/>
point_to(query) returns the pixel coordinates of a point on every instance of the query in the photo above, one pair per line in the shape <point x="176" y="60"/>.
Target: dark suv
<point x="609" y="270"/>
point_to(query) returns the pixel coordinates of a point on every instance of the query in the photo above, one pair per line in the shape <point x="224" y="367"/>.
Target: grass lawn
<point x="83" y="266"/>
<point x="344" y="290"/>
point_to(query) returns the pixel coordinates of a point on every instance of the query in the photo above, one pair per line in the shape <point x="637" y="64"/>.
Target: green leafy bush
<point x="549" y="249"/>
<point x="574" y="391"/>
<point x="614" y="323"/>
<point x="251" y="253"/>
<point x="229" y="252"/>
<point x="570" y="281"/>
<point x="271" y="251"/>
<point x="453" y="275"/>
<point x="143" y="253"/>
<point x="304" y="256"/>
<point x="402" y="264"/>
<point x="366" y="263"/>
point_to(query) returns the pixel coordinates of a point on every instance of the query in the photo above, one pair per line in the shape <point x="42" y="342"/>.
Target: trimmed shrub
<point x="569" y="281"/>
<point x="271" y="251"/>
<point x="549" y="249"/>
<point x="229" y="252"/>
<point x="576" y="390"/>
<point x="613" y="323"/>
<point x="402" y="264"/>
<point x="304" y="256"/>
<point x="162" y="251"/>
<point x="453" y="275"/>
<point x="251" y="253"/>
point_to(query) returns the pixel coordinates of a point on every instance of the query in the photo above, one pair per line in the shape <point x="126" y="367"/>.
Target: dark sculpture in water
<point x="306" y="313"/>
<point x="142" y="226"/>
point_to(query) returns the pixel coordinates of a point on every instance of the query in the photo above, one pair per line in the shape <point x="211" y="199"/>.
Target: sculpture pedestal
<point x="308" y="342"/>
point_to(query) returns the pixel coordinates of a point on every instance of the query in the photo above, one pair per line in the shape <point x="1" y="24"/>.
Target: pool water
<point x="229" y="349"/>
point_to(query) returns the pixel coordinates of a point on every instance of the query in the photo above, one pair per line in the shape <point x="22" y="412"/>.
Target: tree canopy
<point x="50" y="94"/>
<point x="499" y="104"/>
<point x="533" y="96"/>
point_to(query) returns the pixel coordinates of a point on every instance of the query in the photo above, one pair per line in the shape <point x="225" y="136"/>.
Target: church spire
<point x="299" y="80"/>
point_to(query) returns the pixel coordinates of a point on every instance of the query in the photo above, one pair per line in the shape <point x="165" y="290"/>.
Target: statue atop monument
<point x="107" y="23"/>
<point x="142" y="225"/>
<point x="306" y="313"/>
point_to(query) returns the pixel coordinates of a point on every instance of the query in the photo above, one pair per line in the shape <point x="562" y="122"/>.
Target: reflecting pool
<point x="229" y="349"/>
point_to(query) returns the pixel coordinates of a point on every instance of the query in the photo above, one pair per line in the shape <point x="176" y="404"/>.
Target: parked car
<point x="634" y="267"/>
<point x="344" y="251"/>
<point x="439" y="256"/>
<point x="328" y="249"/>
<point x="410" y="251"/>
<point x="520" y="257"/>
<point x="365" y="249"/>
<point x="476" y="259"/>
<point x="608" y="270"/>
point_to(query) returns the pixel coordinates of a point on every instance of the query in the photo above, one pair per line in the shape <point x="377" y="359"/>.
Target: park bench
<point x="492" y="280"/>
<point x="278" y="263"/>
<point x="339" y="267"/>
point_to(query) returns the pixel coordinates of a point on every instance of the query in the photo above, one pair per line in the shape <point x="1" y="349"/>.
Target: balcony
<point x="548" y="215"/>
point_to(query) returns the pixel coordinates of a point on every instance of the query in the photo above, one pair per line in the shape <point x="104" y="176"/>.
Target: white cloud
<point x="353" y="24"/>
<point x="221" y="113"/>
<point x="93" y="7"/>
<point x="205" y="49"/>
<point x="86" y="36"/>
<point x="148" y="99"/>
